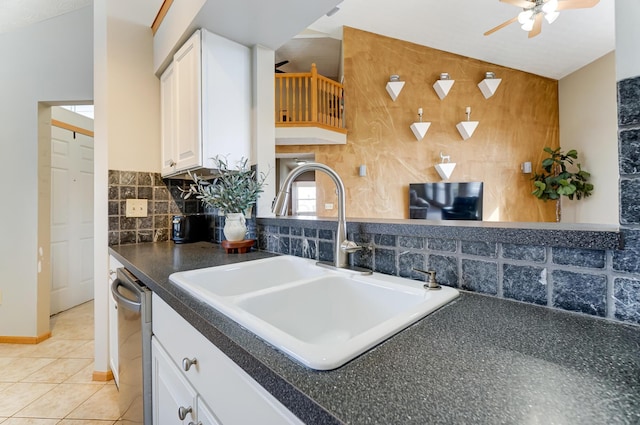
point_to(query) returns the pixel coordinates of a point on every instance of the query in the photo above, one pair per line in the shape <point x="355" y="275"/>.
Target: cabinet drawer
<point x="171" y="391"/>
<point x="231" y="393"/>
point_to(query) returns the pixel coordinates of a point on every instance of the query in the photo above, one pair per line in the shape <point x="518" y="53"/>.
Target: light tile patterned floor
<point x="50" y="383"/>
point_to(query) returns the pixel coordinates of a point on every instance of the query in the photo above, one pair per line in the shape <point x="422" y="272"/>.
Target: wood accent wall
<point x="515" y="125"/>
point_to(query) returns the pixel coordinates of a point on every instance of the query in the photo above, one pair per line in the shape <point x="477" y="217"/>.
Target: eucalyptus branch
<point x="231" y="190"/>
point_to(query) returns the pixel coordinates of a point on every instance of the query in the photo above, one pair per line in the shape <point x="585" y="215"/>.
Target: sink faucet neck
<point x="281" y="202"/>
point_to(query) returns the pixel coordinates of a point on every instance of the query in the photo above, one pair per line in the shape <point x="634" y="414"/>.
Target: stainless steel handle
<point x="133" y="305"/>
<point x="193" y="423"/>
<point x="187" y="363"/>
<point x="183" y="412"/>
<point x="349" y="246"/>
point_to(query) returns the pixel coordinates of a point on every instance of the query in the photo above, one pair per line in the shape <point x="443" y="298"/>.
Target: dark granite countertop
<point x="479" y="360"/>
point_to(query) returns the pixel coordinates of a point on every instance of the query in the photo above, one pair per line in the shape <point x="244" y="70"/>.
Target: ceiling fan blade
<point x="525" y="4"/>
<point x="576" y="4"/>
<point x="279" y="64"/>
<point x="537" y="26"/>
<point x="502" y="25"/>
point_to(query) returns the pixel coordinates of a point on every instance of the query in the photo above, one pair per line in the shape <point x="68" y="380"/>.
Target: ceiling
<point x="575" y="39"/>
<point x="15" y="14"/>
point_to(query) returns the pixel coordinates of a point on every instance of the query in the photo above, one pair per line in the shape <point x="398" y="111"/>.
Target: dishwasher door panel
<point x="134" y="349"/>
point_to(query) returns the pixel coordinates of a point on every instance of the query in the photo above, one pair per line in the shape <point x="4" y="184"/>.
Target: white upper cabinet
<point x="169" y="128"/>
<point x="205" y="104"/>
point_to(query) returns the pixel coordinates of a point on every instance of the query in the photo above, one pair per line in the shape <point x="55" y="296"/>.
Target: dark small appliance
<point x="189" y="228"/>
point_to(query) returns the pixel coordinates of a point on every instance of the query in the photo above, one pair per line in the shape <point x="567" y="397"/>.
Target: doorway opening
<point x="65" y="205"/>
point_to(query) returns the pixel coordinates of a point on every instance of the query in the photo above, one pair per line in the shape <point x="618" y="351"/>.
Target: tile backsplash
<point x="164" y="201"/>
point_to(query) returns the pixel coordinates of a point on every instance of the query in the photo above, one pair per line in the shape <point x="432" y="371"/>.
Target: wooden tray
<point x="239" y="247"/>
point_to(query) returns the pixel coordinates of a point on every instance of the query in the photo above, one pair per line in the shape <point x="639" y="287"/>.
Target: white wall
<point x="48" y="61"/>
<point x="263" y="148"/>
<point x="127" y="130"/>
<point x="588" y="123"/>
<point x="133" y="98"/>
<point x="627" y="39"/>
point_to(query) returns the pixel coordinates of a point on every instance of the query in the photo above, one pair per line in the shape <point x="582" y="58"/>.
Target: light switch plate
<point x="136" y="208"/>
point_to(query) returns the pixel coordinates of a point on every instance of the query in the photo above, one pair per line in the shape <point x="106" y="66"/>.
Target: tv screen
<point x="445" y="201"/>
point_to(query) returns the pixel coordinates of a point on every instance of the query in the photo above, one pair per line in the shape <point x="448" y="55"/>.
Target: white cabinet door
<point x="188" y="71"/>
<point x="172" y="395"/>
<point x="169" y="129"/>
<point x="113" y="321"/>
<point x="205" y="415"/>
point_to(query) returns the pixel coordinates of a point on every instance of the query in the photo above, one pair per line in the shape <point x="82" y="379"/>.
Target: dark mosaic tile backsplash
<point x="164" y="201"/>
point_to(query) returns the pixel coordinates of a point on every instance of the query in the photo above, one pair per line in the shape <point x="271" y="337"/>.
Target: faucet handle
<point x="349" y="246"/>
<point x="431" y="281"/>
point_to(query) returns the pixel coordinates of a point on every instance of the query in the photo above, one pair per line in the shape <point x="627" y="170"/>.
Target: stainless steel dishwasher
<point x="134" y="348"/>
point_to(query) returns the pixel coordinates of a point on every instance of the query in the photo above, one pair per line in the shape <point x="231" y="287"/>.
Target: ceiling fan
<point x="278" y="65"/>
<point x="533" y="11"/>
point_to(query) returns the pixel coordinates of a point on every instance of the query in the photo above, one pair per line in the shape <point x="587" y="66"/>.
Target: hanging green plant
<point x="557" y="180"/>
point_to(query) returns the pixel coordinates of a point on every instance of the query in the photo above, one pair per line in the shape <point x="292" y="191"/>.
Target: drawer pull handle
<point x="183" y="412"/>
<point x="187" y="363"/>
<point x="193" y="423"/>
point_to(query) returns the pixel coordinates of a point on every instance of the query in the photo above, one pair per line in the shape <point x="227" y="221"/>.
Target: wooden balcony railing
<point x="308" y="99"/>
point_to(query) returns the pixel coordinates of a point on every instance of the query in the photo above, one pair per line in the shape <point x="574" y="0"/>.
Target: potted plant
<point x="233" y="191"/>
<point x="556" y="180"/>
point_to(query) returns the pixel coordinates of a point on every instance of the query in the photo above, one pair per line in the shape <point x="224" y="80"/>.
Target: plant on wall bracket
<point x="556" y="180"/>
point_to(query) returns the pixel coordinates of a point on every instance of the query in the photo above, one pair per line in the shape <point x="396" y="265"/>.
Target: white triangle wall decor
<point x="394" y="88"/>
<point x="420" y="129"/>
<point x="488" y="86"/>
<point x="445" y="169"/>
<point x="442" y="87"/>
<point x="466" y="128"/>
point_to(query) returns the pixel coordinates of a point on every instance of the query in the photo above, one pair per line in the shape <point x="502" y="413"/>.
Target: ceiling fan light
<point x="550" y="6"/>
<point x="550" y="17"/>
<point x="528" y="26"/>
<point x="525" y="16"/>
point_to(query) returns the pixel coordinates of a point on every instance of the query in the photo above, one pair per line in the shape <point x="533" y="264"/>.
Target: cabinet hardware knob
<point x="112" y="272"/>
<point x="172" y="163"/>
<point x="183" y="412"/>
<point x="187" y="363"/>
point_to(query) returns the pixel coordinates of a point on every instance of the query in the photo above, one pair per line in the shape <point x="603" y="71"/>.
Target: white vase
<point x="235" y="227"/>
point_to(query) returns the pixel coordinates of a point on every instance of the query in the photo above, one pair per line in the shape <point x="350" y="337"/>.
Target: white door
<point x="187" y="66"/>
<point x="71" y="219"/>
<point x="169" y="129"/>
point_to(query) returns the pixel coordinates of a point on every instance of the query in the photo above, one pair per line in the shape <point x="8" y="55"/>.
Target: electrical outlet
<point x="136" y="208"/>
<point x="328" y="206"/>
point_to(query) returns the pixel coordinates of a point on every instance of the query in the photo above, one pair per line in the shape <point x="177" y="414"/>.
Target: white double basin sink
<point x="318" y="316"/>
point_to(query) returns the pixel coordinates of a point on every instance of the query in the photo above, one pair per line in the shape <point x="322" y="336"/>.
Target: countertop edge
<point x="588" y="236"/>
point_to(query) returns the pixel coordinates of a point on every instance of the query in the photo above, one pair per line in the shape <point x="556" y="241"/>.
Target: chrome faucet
<point x="343" y="247"/>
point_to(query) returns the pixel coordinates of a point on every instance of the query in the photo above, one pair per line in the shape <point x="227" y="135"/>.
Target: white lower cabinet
<point x="174" y="399"/>
<point x="113" y="321"/>
<point x="192" y="376"/>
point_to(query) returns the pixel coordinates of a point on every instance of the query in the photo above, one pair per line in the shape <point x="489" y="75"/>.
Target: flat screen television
<point x="445" y="201"/>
